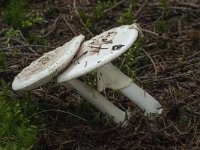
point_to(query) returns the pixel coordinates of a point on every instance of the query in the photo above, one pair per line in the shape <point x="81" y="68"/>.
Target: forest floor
<point x="165" y="62"/>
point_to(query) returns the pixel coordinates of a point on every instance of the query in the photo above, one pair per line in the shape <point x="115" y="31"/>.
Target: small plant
<point x="14" y="14"/>
<point x="21" y="20"/>
<point x="37" y="38"/>
<point x="132" y="56"/>
<point x="164" y="5"/>
<point x="101" y="7"/>
<point x="88" y="20"/>
<point x="18" y="130"/>
<point x="31" y="37"/>
<point x="98" y="12"/>
<point x="161" y="25"/>
<point x="32" y="19"/>
<point x="126" y="17"/>
<point x="10" y="33"/>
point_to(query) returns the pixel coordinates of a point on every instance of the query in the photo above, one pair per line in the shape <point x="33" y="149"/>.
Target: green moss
<point x="10" y="33"/>
<point x="98" y="12"/>
<point x="132" y="58"/>
<point x="14" y="13"/>
<point x="17" y="16"/>
<point x="127" y="16"/>
<point x="101" y="7"/>
<point x="17" y="129"/>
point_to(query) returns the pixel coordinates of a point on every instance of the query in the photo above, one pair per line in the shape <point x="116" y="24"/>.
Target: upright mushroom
<point x="109" y="76"/>
<point x="95" y="53"/>
<point x="98" y="52"/>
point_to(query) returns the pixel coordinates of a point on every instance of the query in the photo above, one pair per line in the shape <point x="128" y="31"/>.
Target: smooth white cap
<point x="47" y="66"/>
<point x="100" y="50"/>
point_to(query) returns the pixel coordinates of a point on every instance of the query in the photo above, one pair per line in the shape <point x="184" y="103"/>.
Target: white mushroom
<point x="111" y="77"/>
<point x="94" y="53"/>
<point x="47" y="66"/>
<point x="98" y="52"/>
<point x="99" y="101"/>
<point x="50" y="64"/>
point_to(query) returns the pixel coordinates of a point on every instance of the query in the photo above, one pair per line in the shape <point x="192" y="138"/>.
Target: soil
<point x="169" y="69"/>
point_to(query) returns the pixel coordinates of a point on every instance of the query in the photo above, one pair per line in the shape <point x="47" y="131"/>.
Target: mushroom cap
<point x="47" y="66"/>
<point x="99" y="51"/>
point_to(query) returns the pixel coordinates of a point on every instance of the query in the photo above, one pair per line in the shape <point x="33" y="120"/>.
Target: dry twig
<point x="53" y="27"/>
<point x="81" y="21"/>
<point x="114" y="6"/>
<point x="152" y="61"/>
<point x="140" y="10"/>
<point x="70" y="27"/>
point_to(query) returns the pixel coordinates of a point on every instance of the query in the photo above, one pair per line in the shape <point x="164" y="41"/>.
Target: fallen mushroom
<point x="47" y="66"/>
<point x="50" y="64"/>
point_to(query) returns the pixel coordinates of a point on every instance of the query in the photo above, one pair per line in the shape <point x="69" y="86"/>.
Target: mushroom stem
<point x="99" y="101"/>
<point x="111" y="77"/>
<point x="142" y="99"/>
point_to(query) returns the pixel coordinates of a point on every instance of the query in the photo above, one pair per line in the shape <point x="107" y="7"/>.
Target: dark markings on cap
<point x="85" y="64"/>
<point x="97" y="47"/>
<point x="99" y="61"/>
<point x="117" y="47"/>
<point x="105" y="41"/>
<point x="110" y="32"/>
